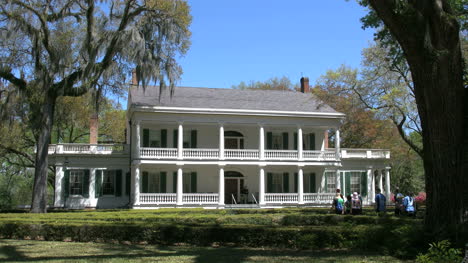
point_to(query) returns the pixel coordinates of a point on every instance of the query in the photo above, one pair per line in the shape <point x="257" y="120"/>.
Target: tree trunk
<point x="431" y="44"/>
<point x="39" y="195"/>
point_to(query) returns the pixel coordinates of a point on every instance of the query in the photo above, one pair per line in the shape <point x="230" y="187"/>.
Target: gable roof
<point x="211" y="98"/>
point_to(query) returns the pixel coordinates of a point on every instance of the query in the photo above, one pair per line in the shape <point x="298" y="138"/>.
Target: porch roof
<point x="191" y="97"/>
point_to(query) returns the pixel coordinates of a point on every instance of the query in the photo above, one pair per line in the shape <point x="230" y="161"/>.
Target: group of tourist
<point x="353" y="203"/>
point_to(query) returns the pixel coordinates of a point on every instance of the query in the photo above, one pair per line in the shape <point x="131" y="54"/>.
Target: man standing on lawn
<point x="380" y="201"/>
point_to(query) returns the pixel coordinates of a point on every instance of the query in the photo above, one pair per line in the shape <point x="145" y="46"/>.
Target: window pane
<point x="76" y="182"/>
<point x="306" y="183"/>
<point x="154" y="183"/>
<point x="355" y="182"/>
<point x="187" y="136"/>
<point x="155" y="138"/>
<point x="277" y="141"/>
<point x="277" y="183"/>
<point x="187" y="183"/>
<point x="108" y="183"/>
<point x="331" y="182"/>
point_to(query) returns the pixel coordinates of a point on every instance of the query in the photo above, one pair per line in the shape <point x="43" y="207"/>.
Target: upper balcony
<point x="153" y="153"/>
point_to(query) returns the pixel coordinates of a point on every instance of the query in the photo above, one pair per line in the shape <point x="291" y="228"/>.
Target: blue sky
<point x="244" y="40"/>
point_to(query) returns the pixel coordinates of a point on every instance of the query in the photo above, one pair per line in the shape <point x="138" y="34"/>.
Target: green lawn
<point x="46" y="251"/>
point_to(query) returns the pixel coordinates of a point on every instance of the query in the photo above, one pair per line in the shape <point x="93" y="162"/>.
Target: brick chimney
<point x="326" y="139"/>
<point x="305" y="85"/>
<point x="134" y="78"/>
<point x="93" y="129"/>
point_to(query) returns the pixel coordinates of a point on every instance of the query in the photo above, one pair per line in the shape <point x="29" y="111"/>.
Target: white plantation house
<point x="218" y="148"/>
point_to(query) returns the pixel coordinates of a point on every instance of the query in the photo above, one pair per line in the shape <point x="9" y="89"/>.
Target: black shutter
<point x="285" y="141"/>
<point x="269" y="145"/>
<point x="86" y="184"/>
<point x="128" y="180"/>
<point x="97" y="184"/>
<point x="312" y="183"/>
<point x="296" y="180"/>
<point x="312" y="141"/>
<point x="164" y="138"/>
<point x="269" y="182"/>
<point x="145" y="137"/>
<point x="193" y="182"/>
<point x="193" y="139"/>
<point x="144" y="182"/>
<point x="163" y="182"/>
<point x="118" y="182"/>
<point x="295" y="141"/>
<point x="285" y="183"/>
<point x="174" y="138"/>
<point x="66" y="184"/>
<point x="174" y="182"/>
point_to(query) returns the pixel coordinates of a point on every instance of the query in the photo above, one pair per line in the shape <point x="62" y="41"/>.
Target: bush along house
<point x="217" y="148"/>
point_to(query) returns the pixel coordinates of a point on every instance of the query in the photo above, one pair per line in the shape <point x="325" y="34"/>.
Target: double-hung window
<point x="76" y="182"/>
<point x="330" y="182"/>
<point x="108" y="182"/>
<point x="277" y="141"/>
<point x="355" y="182"/>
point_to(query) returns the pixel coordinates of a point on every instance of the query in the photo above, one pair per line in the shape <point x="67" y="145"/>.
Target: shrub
<point x="420" y="198"/>
<point x="440" y="252"/>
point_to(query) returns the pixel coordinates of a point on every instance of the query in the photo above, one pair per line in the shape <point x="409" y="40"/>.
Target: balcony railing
<point x="158" y="198"/>
<point x="283" y="198"/>
<point x="320" y="155"/>
<point x="200" y="198"/>
<point x="281" y="155"/>
<point x="82" y="148"/>
<point x="365" y="154"/>
<point x="319" y="198"/>
<point x="201" y="153"/>
<point x="158" y="153"/>
<point x="234" y="154"/>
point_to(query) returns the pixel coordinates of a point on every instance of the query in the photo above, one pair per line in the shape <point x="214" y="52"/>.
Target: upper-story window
<point x="154" y="138"/>
<point x="233" y="140"/>
<point x="277" y="141"/>
<point x="189" y="137"/>
<point x="308" y="141"/>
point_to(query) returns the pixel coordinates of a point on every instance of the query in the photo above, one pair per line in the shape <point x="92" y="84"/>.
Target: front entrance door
<point x="231" y="188"/>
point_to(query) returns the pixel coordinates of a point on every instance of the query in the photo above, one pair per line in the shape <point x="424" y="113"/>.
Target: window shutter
<point x="193" y="182"/>
<point x="343" y="183"/>
<point x="312" y="141"/>
<point x="269" y="182"/>
<point x="144" y="182"/>
<point x="163" y="182"/>
<point x="193" y="139"/>
<point x="145" y="137"/>
<point x="269" y="144"/>
<point x="348" y="183"/>
<point x="118" y="183"/>
<point x="285" y="141"/>
<point x="86" y="184"/>
<point x="128" y="182"/>
<point x="312" y="187"/>
<point x="285" y="183"/>
<point x="296" y="178"/>
<point x="364" y="184"/>
<point x="98" y="183"/>
<point x="174" y="182"/>
<point x="66" y="184"/>
<point x="174" y="138"/>
<point x="295" y="141"/>
<point x="241" y="142"/>
<point x="164" y="138"/>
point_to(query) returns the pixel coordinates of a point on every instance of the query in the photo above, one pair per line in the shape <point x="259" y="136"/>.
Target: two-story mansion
<point x="218" y="148"/>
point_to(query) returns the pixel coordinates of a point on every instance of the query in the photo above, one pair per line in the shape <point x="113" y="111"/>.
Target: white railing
<point x="157" y="198"/>
<point x="81" y="148"/>
<point x="319" y="198"/>
<point x="319" y="155"/>
<point x="158" y="153"/>
<point x="198" y="153"/>
<point x="200" y="198"/>
<point x="52" y="148"/>
<point x="365" y="153"/>
<point x="77" y="148"/>
<point x="280" y="155"/>
<point x="241" y="154"/>
<point x="281" y="198"/>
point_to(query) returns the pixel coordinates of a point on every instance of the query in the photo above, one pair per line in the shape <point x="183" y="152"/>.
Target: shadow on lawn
<point x="109" y="252"/>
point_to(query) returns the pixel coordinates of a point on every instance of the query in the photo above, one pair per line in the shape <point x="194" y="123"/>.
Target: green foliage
<point x="283" y="83"/>
<point x="440" y="252"/>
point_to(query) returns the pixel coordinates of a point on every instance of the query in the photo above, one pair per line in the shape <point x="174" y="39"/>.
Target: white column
<point x="221" y="186"/>
<point x="136" y="134"/>
<point x="180" y="141"/>
<point x="338" y="181"/>
<point x="59" y="202"/>
<point x="261" y="192"/>
<point x="380" y="181"/>
<point x="136" y="184"/>
<point x="387" y="182"/>
<point x="337" y="143"/>
<point x="299" y="143"/>
<point x="221" y="143"/>
<point x="180" y="184"/>
<point x="300" y="185"/>
<point x="261" y="143"/>
<point x="373" y="185"/>
<point x="370" y="198"/>
<point x="92" y="184"/>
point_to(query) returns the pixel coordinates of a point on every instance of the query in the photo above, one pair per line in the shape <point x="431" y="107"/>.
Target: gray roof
<point x="189" y="97"/>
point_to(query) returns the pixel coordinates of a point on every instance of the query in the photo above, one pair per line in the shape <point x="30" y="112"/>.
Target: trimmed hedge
<point x="385" y="238"/>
